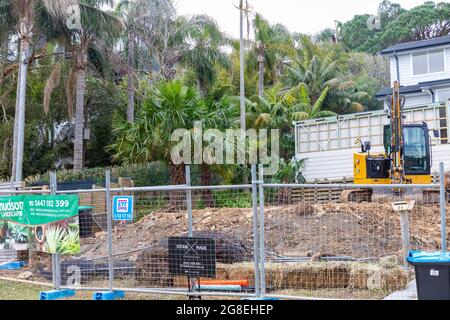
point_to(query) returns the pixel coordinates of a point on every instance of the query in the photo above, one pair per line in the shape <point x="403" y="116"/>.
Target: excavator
<point x="407" y="159"/>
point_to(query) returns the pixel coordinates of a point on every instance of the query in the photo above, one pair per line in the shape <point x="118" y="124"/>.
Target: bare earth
<point x="357" y="230"/>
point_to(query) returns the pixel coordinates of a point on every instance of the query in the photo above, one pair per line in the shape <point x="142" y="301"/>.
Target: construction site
<point x="148" y="154"/>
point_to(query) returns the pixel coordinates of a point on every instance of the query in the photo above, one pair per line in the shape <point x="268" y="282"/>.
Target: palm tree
<point x="129" y="12"/>
<point x="304" y="110"/>
<point x="317" y="68"/>
<point x="144" y="21"/>
<point x="169" y="106"/>
<point x="19" y="13"/>
<point x="204" y="55"/>
<point x="272" y="111"/>
<point x="272" y="45"/>
<point x="98" y="26"/>
<point x="220" y="114"/>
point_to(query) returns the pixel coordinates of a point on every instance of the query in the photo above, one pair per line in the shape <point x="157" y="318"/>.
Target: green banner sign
<point x="36" y="210"/>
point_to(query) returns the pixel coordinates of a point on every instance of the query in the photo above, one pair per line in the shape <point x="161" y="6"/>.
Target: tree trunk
<point x="177" y="177"/>
<point x="261" y="71"/>
<point x="81" y="61"/>
<point x="19" y="120"/>
<point x="130" y="108"/>
<point x="207" y="195"/>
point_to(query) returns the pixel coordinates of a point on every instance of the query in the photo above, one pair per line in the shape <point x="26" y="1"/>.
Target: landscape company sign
<point x="194" y="257"/>
<point x="36" y="210"/>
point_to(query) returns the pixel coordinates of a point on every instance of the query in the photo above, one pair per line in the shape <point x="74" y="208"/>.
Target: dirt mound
<point x="333" y="229"/>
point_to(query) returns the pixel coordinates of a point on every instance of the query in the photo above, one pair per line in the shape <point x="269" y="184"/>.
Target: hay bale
<point x="394" y="279"/>
<point x="313" y="276"/>
<point x="376" y="277"/>
<point x="359" y="275"/>
<point x="241" y="271"/>
<point x="389" y="262"/>
<point x="309" y="276"/>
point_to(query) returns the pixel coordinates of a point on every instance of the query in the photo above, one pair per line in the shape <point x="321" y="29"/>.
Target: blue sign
<point x="123" y="208"/>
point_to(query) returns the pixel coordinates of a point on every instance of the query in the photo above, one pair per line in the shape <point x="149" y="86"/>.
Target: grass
<point x="10" y="290"/>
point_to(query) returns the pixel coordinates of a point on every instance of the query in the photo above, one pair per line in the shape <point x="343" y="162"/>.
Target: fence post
<point x="109" y="226"/>
<point x="255" y="231"/>
<point x="443" y="200"/>
<point x="189" y="201"/>
<point x="56" y="266"/>
<point x="404" y="229"/>
<point x="262" y="231"/>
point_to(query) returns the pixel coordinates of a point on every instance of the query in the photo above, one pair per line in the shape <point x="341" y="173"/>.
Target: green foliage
<point x="147" y="207"/>
<point x="62" y="241"/>
<point x="54" y="236"/>
<point x="177" y="58"/>
<point x="19" y="233"/>
<point x="290" y="172"/>
<point x="426" y="21"/>
<point x="148" y="174"/>
<point x="168" y="107"/>
<point x="229" y="199"/>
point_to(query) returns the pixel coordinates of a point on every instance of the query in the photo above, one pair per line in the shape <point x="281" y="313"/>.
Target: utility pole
<point x="242" y="62"/>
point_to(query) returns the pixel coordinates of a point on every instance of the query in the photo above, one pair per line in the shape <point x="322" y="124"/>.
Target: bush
<point x="150" y="174"/>
<point x="229" y="199"/>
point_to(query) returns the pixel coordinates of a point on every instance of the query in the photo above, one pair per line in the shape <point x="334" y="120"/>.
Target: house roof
<point x="403" y="90"/>
<point x="434" y="83"/>
<point x="415" y="88"/>
<point x="416" y="45"/>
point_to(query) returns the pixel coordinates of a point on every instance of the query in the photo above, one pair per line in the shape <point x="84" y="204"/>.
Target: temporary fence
<point x="269" y="242"/>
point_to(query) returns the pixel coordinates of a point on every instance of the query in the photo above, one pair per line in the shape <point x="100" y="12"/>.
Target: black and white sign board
<point x="192" y="257"/>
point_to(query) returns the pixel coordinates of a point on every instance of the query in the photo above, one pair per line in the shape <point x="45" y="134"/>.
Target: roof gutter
<point x="431" y="93"/>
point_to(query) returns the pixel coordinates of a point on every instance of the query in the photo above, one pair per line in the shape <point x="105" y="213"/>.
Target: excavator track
<point x="356" y="195"/>
<point x="421" y="197"/>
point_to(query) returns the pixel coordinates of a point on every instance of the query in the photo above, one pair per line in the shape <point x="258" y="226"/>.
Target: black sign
<point x="194" y="257"/>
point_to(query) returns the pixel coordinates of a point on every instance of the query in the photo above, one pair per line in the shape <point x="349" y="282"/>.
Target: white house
<point x="423" y="70"/>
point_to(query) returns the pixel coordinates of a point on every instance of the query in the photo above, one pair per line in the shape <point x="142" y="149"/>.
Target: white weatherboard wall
<point x="405" y="68"/>
<point x="328" y="144"/>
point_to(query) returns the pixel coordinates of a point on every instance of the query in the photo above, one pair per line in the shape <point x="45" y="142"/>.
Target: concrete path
<point x="410" y="293"/>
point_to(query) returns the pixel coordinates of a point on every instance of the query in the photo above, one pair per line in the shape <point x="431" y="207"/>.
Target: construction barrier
<point x="250" y="241"/>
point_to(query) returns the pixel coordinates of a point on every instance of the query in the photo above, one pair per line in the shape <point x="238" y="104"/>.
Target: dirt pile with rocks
<point x="333" y="229"/>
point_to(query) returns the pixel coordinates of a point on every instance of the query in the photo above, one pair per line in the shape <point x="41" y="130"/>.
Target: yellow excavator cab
<point x="405" y="160"/>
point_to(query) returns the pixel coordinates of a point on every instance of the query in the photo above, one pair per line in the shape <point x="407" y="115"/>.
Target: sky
<point x="302" y="16"/>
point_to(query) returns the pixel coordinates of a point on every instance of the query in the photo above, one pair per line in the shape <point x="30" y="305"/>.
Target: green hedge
<point x="150" y="174"/>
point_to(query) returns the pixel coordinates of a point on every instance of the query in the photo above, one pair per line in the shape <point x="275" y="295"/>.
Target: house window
<point x="432" y="61"/>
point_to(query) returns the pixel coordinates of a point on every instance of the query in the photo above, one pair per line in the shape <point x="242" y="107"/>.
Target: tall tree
<point x="273" y="43"/>
<point x="129" y="12"/>
<point x="167" y="107"/>
<point x="21" y="13"/>
<point x="205" y="55"/>
<point x="430" y="20"/>
<point x="97" y="27"/>
<point x="318" y="67"/>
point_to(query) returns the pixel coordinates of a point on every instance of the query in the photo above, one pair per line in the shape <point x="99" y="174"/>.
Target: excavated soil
<point x="364" y="230"/>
